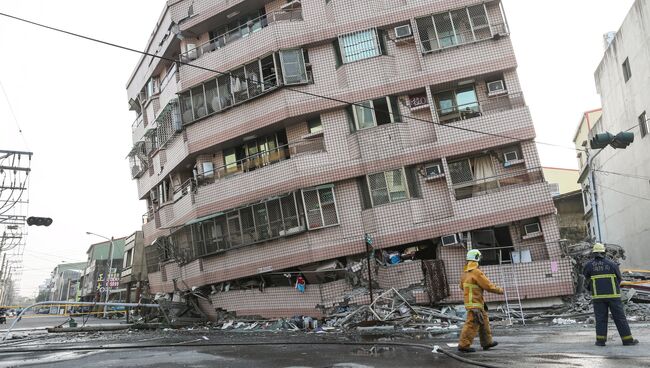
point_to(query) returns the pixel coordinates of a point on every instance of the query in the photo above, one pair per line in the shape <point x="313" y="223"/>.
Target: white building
<point x="621" y="176"/>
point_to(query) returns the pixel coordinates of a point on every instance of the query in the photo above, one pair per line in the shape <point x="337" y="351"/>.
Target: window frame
<point x="377" y="46"/>
<point x="627" y="70"/>
<point x="389" y="101"/>
<point x="301" y="64"/>
<point x="320" y="206"/>
<point x="405" y="184"/>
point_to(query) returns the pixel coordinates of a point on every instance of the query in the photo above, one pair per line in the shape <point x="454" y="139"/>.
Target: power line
<point x="623" y="193"/>
<point x="624" y="175"/>
<point x="13" y="114"/>
<point x="262" y="83"/>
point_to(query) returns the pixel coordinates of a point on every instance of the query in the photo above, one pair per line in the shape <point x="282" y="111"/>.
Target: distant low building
<point x="561" y="181"/>
<point x="65" y="281"/>
<point x="96" y="273"/>
<point x="570" y="216"/>
<point x="134" y="268"/>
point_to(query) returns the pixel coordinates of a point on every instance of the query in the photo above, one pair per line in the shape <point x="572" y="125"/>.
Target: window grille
<point x="320" y="207"/>
<point x="359" y="45"/>
<point x="457" y="27"/>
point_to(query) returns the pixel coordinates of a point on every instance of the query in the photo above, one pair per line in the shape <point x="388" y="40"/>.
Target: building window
<point x="643" y="124"/>
<point x="293" y="67"/>
<point x="128" y="260"/>
<point x="457" y="104"/>
<point x="320" y="207"/>
<point x="554" y="188"/>
<point x="360" y="45"/>
<point x="315" y="125"/>
<point x="627" y="72"/>
<point x="471" y="177"/>
<point x="453" y="28"/>
<point x="287" y="67"/>
<point x="368" y="114"/>
<point x="389" y="187"/>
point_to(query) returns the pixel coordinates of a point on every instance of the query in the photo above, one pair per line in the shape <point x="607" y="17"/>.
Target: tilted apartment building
<point x="272" y="136"/>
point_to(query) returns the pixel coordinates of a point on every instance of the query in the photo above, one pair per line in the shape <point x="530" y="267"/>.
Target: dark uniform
<point x="603" y="278"/>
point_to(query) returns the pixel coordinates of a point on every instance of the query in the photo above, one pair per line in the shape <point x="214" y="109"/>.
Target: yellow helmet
<point x="598" y="248"/>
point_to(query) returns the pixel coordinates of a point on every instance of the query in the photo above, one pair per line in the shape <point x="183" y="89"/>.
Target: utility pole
<point x="369" y="253"/>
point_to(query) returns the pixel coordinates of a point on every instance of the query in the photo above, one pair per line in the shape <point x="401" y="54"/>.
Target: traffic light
<point x="621" y="140"/>
<point x="601" y="140"/>
<point x="39" y="221"/>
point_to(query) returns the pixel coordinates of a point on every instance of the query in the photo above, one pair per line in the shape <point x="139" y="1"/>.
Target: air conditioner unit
<point x="511" y="156"/>
<point x="532" y="229"/>
<point x="153" y="195"/>
<point x="449" y="240"/>
<point x="433" y="170"/>
<point x="403" y="31"/>
<point x="496" y="88"/>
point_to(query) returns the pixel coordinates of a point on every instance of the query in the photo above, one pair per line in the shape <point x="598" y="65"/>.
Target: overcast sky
<point x="70" y="100"/>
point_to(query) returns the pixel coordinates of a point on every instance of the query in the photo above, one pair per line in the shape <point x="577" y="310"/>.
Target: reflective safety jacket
<point x="603" y="278"/>
<point x="473" y="282"/>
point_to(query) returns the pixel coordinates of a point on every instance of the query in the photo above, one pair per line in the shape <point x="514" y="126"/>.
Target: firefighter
<point x="603" y="278"/>
<point x="473" y="282"/>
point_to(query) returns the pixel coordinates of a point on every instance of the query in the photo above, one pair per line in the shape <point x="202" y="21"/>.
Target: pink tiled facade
<point x="198" y="197"/>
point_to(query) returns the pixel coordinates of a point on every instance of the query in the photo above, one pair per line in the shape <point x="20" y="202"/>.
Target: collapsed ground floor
<point x="526" y="261"/>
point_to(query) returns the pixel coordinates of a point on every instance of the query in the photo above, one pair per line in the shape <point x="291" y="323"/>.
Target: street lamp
<point x="110" y="266"/>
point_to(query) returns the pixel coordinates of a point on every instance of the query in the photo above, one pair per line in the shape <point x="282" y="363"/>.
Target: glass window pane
<point x="248" y="225"/>
<point x="396" y="185"/>
<point x="314" y="218"/>
<point x="446" y="36"/>
<point x="359" y="45"/>
<point x="427" y="34"/>
<point x="254" y="79"/>
<point x="212" y="96"/>
<point x="460" y="172"/>
<point x="198" y="102"/>
<point x="225" y="94"/>
<point x="261" y="221"/>
<point x="293" y="66"/>
<point x="328" y="206"/>
<point x="446" y="102"/>
<point x="364" y="115"/>
<point x="275" y="217"/>
<point x="234" y="229"/>
<point x="315" y="125"/>
<point x="186" y="107"/>
<point x="467" y="100"/>
<point x="239" y="85"/>
<point x="461" y="24"/>
<point x="382" y="111"/>
<point x="479" y="22"/>
<point x="269" y="75"/>
<point x="289" y="214"/>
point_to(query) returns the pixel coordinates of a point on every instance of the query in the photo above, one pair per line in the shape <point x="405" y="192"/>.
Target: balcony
<point x="262" y="159"/>
<point x="461" y="26"/>
<point x="169" y="85"/>
<point x="479" y="107"/>
<point x="137" y="128"/>
<point x="483" y="186"/>
<point x="251" y="27"/>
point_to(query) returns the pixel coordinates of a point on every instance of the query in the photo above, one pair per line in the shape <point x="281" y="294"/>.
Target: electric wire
<point x="13" y="114"/>
<point x="623" y="193"/>
<point x="623" y="174"/>
<point x="263" y="83"/>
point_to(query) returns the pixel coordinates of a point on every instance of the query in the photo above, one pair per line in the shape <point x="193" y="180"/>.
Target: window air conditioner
<point x="511" y="156"/>
<point x="496" y="88"/>
<point x="153" y="195"/>
<point x="449" y="240"/>
<point x="532" y="228"/>
<point x="403" y="31"/>
<point x="192" y="52"/>
<point x="433" y="170"/>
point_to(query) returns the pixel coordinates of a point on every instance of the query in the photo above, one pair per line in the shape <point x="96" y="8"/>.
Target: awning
<point x="204" y="218"/>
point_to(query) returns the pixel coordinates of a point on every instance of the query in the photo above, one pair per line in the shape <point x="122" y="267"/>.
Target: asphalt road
<point x="42" y="321"/>
<point x="538" y="346"/>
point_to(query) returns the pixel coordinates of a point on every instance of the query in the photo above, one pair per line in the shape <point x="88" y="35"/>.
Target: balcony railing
<point x="243" y="31"/>
<point x="137" y="123"/>
<point x="480" y="107"/>
<point x="483" y="186"/>
<point x="262" y="159"/>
